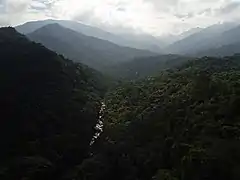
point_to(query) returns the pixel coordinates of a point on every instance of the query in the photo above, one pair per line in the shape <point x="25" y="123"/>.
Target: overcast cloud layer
<point x="155" y="17"/>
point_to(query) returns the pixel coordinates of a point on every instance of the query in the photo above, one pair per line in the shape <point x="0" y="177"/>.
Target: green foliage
<point x="164" y="175"/>
<point x="146" y="66"/>
<point x="182" y="124"/>
<point x="49" y="107"/>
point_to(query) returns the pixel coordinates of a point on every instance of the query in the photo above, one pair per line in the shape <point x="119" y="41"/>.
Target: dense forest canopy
<point x="183" y="123"/>
<point x="140" y="68"/>
<point x="49" y="109"/>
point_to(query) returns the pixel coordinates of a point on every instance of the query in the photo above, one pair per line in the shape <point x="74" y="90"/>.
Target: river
<point x="99" y="125"/>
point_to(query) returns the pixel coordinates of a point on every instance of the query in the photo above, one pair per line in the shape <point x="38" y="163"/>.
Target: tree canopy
<point x="49" y="109"/>
<point x="181" y="124"/>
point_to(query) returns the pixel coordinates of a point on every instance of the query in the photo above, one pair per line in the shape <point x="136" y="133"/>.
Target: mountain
<point x="94" y="52"/>
<point x="207" y="38"/>
<point x="30" y="27"/>
<point x="144" y="67"/>
<point x="226" y="45"/>
<point x="142" y="41"/>
<point x="49" y="107"/>
<point x="170" y="39"/>
<point x="225" y="50"/>
<point x="179" y="125"/>
<point x="231" y="36"/>
<point x="190" y="32"/>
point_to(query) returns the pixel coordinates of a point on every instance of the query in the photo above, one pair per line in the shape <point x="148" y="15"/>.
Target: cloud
<point x="184" y="16"/>
<point x="12" y="10"/>
<point x="38" y="5"/>
<point x="149" y="16"/>
<point x="16" y="6"/>
<point x="229" y="8"/>
<point x="152" y="16"/>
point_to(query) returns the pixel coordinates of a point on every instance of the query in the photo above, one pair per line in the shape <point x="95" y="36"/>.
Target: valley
<point x="81" y="103"/>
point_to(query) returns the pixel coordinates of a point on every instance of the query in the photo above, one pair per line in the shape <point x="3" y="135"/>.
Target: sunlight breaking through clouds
<point x="150" y="16"/>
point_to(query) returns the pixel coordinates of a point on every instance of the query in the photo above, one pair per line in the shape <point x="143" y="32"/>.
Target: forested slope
<point x="49" y="107"/>
<point x="183" y="124"/>
<point x="143" y="67"/>
<point x="222" y="51"/>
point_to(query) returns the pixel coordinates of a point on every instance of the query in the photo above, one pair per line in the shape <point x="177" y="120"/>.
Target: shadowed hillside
<point x="49" y="107"/>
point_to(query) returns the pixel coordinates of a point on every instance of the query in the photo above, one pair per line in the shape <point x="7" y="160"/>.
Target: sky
<point x="155" y="17"/>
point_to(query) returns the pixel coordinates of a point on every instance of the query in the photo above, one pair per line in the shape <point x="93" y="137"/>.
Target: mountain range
<point x="194" y="42"/>
<point x="62" y="120"/>
<point x="94" y="52"/>
<point x="225" y="50"/>
<point x="129" y="40"/>
<point x="208" y="38"/>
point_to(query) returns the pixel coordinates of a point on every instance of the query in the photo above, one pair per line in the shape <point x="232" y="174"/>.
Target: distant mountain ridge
<point x="147" y="42"/>
<point x="225" y="50"/>
<point x="208" y="38"/>
<point x="94" y="52"/>
<point x="225" y="45"/>
<point x="195" y="41"/>
<point x="190" y="32"/>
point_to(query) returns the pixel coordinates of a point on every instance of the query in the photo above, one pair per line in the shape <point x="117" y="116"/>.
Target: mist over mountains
<point x="81" y="103"/>
<point x="136" y="41"/>
<point x="210" y="37"/>
<point x="107" y="51"/>
<point x="193" y="41"/>
<point x="94" y="52"/>
<point x="120" y="89"/>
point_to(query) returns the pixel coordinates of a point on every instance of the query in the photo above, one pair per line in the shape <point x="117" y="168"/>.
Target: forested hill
<point x="143" y="67"/>
<point x="181" y="125"/>
<point x="49" y="106"/>
<point x="226" y="50"/>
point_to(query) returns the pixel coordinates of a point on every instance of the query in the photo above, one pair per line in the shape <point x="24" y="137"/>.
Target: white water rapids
<point x="99" y="125"/>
